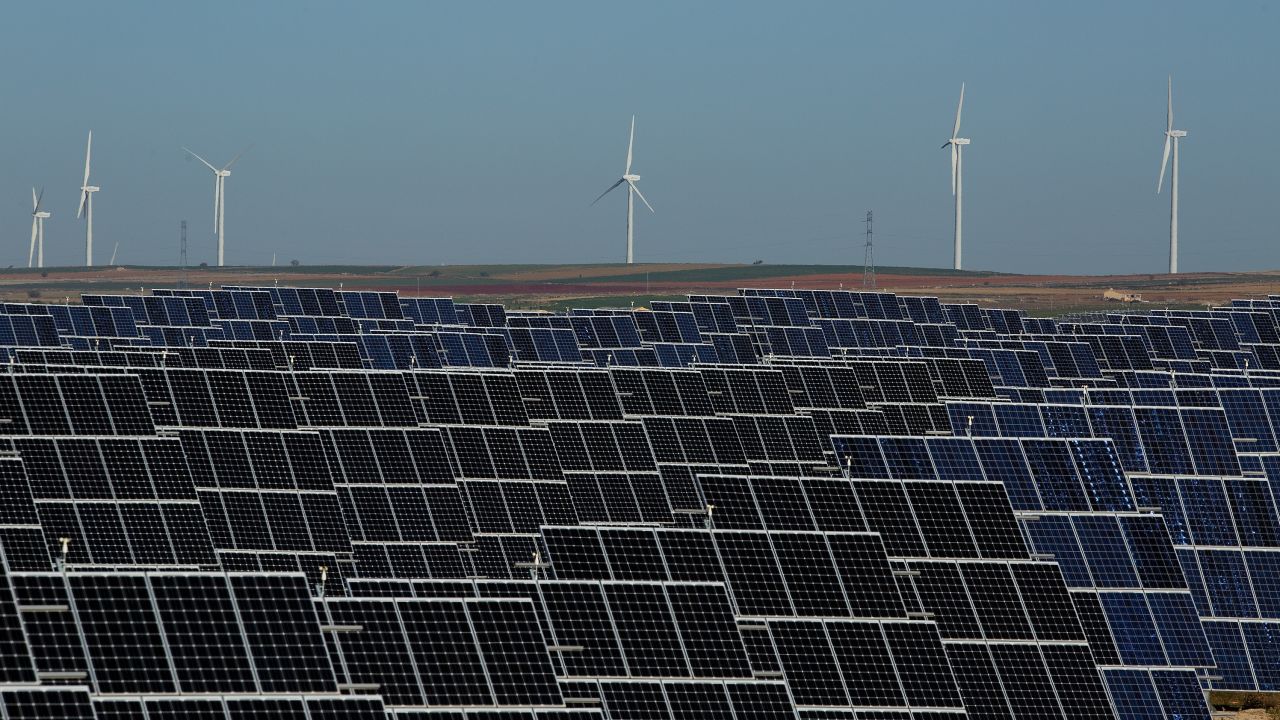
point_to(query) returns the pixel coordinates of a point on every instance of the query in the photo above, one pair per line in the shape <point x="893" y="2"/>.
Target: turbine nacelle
<point x="90" y="188"/>
<point x="222" y="173"/>
<point x="1176" y="133"/>
<point x="42" y="214"/>
<point x="631" y="178"/>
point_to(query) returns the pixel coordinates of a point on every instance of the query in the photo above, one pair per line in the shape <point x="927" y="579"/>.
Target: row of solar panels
<point x="982" y="621"/>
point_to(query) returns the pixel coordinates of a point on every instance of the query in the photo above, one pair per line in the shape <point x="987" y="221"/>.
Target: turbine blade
<point x="630" y="142"/>
<point x="646" y="202"/>
<point x="1170" y="116"/>
<point x="1164" y="161"/>
<point x="955" y="131"/>
<point x="31" y="254"/>
<point x="206" y="162"/>
<point x="80" y="210"/>
<point x="606" y="192"/>
<point x="35" y="202"/>
<point x="237" y="157"/>
<point x="40" y="199"/>
<point x="88" y="153"/>
<point x="954" y="161"/>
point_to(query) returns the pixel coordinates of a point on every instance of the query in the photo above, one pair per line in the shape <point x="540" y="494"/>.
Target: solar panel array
<point x="827" y="505"/>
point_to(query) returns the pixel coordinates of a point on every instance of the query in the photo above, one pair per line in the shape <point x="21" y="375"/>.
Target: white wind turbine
<point x="632" y="192"/>
<point x="38" y="216"/>
<point x="86" y="204"/>
<point x="220" y="176"/>
<point x="957" y="144"/>
<point x="1171" y="136"/>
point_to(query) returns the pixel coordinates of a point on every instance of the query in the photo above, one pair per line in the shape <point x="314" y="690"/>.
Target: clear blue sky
<point x="432" y="132"/>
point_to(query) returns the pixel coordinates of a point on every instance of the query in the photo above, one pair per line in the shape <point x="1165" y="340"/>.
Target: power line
<point x="868" y="260"/>
<point x="182" y="254"/>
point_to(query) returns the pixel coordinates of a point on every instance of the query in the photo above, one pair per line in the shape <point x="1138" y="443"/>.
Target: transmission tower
<point x="182" y="253"/>
<point x="868" y="260"/>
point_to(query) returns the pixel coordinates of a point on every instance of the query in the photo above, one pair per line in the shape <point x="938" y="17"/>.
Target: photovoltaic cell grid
<point x="779" y="503"/>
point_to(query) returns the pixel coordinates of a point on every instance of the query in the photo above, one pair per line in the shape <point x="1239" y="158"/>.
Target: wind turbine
<point x="1171" y="136"/>
<point x="632" y="192"/>
<point x="86" y="204"/>
<point x="957" y="144"/>
<point x="220" y="176"/>
<point x="38" y="216"/>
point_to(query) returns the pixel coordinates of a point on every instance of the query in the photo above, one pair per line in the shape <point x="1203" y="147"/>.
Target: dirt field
<point x="558" y="286"/>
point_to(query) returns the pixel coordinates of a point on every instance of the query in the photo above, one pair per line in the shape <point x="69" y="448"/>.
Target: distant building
<point x="1124" y="297"/>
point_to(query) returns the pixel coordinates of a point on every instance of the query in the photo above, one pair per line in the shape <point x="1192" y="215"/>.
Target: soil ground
<point x="559" y="286"/>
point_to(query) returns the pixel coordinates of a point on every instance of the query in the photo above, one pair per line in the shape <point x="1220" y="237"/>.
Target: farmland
<point x="555" y="287"/>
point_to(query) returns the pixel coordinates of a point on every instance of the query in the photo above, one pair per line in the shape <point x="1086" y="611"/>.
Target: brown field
<point x="559" y="286"/>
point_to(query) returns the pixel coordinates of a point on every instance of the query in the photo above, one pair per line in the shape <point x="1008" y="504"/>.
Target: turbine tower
<point x="220" y="176"/>
<point x="86" y="204"/>
<point x="632" y="192"/>
<point x="1171" y="136"/>
<point x="957" y="144"/>
<point x="38" y="216"/>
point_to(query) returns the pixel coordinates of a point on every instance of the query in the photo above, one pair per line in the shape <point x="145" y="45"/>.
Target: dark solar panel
<point x="778" y="503"/>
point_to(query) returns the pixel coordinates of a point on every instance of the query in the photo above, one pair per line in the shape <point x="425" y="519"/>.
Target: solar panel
<point x="775" y="503"/>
